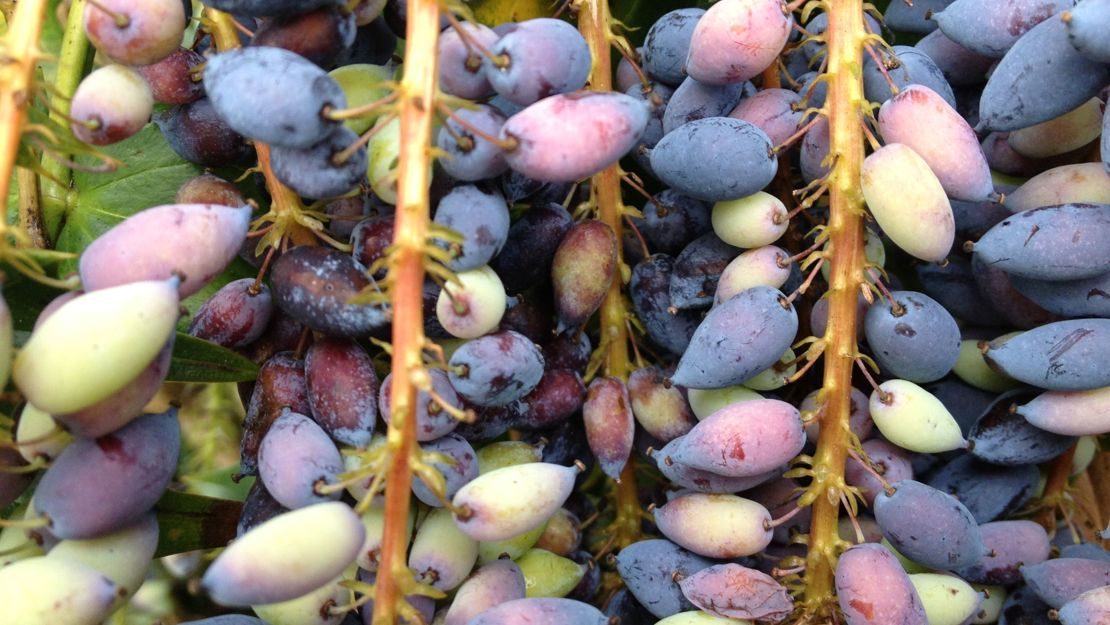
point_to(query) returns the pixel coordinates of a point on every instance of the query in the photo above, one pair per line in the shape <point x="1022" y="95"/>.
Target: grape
<point x="814" y="92"/>
<point x="532" y="318"/>
<point x="234" y="316"/>
<point x="1086" y="297"/>
<point x="481" y="216"/>
<point x="471" y="157"/>
<point x="319" y="35"/>
<point x="491" y="585"/>
<point x="1084" y="183"/>
<point x="509" y="501"/>
<point x="928" y="526"/>
<point x="872" y="588"/>
<point x="948" y="600"/>
<point x="610" y="426"/>
<point x="95" y="345"/>
<point x="38" y="436"/>
<point x="903" y="194"/>
<point x="744" y="439"/>
<point x="273" y="95"/>
<point x="549" y="575"/>
<point x="541" y="611"/>
<point x="147" y="33"/>
<point x="1086" y="24"/>
<point x="314" y="285"/>
<point x="171" y="80"/>
<point x="197" y="134"/>
<point x="667" y="326"/>
<point x="890" y="461"/>
<point x="915" y="18"/>
<point x="734" y="591"/>
<point x="55" y="590"/>
<point x="528" y="47"/>
<point x="1058" y="356"/>
<point x="1001" y="436"/>
<point x="694" y="100"/>
<point x="912" y="337"/>
<point x="308" y="607"/>
<point x="961" y="66"/>
<point x="910" y="66"/>
<point x="992" y="28"/>
<point x="953" y="286"/>
<point x="1041" y="77"/>
<point x="96" y="486"/>
<point x="1089" y="551"/>
<point x="1069" y="413"/>
<point x="1089" y="608"/>
<point x="950" y="148"/>
<point x="671" y="221"/>
<point x="462" y="68"/>
<point x="715" y="526"/>
<point x="1009" y="545"/>
<point x="441" y="554"/>
<point x="192" y="241"/>
<point x="362" y="84"/>
<point x="697" y="270"/>
<point x="122" y="556"/>
<point x="989" y="492"/>
<point x="738" y="339"/>
<point x="1013" y="307"/>
<point x="496" y="369"/>
<point x="908" y="416"/>
<point x="530" y="248"/>
<point x="700" y="480"/>
<point x="582" y="271"/>
<point x="667" y="45"/>
<point x="295" y="458"/>
<point x="461" y="468"/>
<point x="267" y="8"/>
<point x="737" y="39"/>
<point x="210" y="189"/>
<point x="110" y="104"/>
<point x="1068" y="132"/>
<point x="474" y="307"/>
<point x="259" y="507"/>
<point x="753" y="221"/>
<point x="317" y="171"/>
<point x="12" y="483"/>
<point x="651" y="570"/>
<point x="714" y="159"/>
<point x="607" y="126"/>
<point x="1023" y="607"/>
<point x="777" y="112"/>
<point x="281" y="383"/>
<point x="369" y="240"/>
<point x="317" y="541"/>
<point x="1060" y="580"/>
<point x="658" y="406"/>
<point x="432" y="421"/>
<point x="511" y="548"/>
<point x="118" y="409"/>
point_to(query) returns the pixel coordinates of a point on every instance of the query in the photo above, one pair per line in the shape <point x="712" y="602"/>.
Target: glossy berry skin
<point x="137" y="33"/>
<point x="110" y="105"/>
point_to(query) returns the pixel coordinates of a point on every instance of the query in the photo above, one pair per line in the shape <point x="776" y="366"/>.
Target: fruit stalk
<point x="417" y="101"/>
<point x="593" y="22"/>
<point x="73" y="62"/>
<point x="17" y="76"/>
<point x="845" y="229"/>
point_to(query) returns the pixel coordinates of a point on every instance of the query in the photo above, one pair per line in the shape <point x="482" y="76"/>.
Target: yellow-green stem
<point x="17" y="75"/>
<point x="845" y="229"/>
<point x="73" y="60"/>
<point x="593" y="22"/>
<point x="417" y="100"/>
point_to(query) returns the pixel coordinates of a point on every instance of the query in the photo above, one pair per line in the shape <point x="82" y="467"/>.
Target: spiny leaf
<point x="197" y="360"/>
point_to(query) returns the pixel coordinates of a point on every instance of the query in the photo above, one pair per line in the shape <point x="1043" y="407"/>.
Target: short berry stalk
<point x="594" y="22"/>
<point x="845" y="110"/>
<point x="417" y="110"/>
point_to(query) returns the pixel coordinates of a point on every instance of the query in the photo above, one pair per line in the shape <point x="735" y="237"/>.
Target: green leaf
<point x="150" y="174"/>
<point x="197" y="360"/>
<point x="189" y="522"/>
